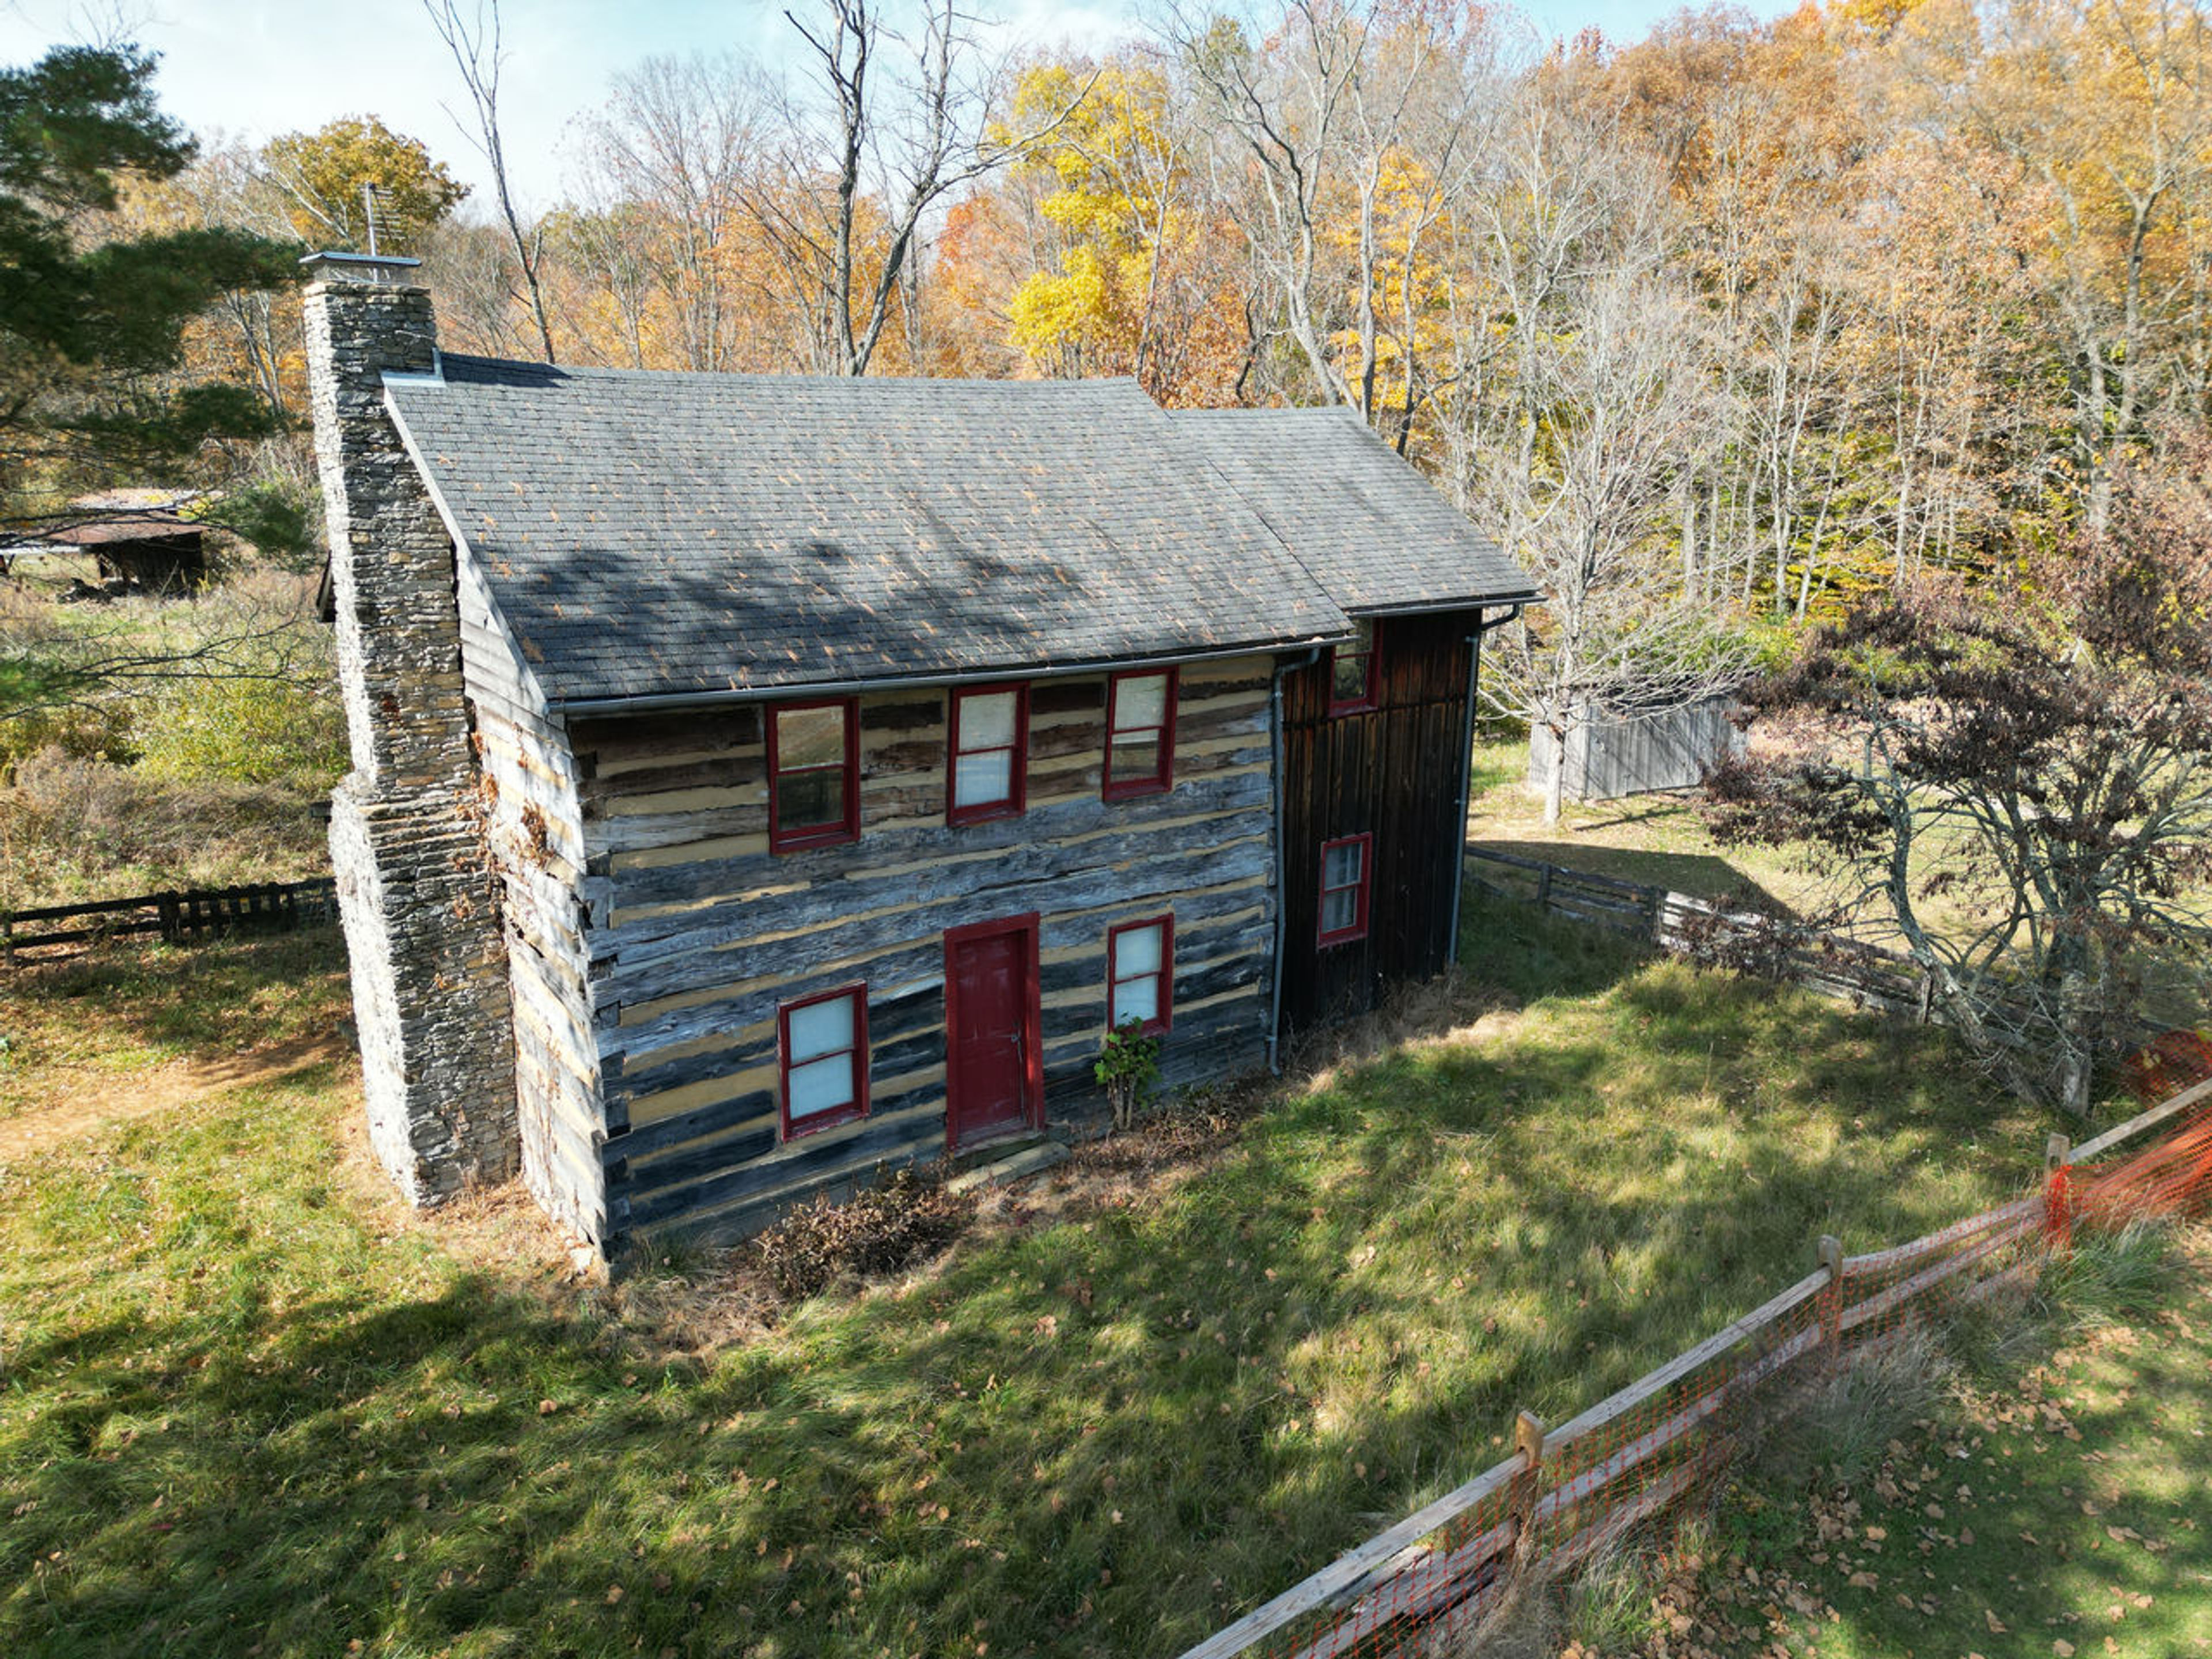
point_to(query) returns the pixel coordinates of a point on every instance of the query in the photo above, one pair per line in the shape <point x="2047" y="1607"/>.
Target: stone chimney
<point x="416" y="891"/>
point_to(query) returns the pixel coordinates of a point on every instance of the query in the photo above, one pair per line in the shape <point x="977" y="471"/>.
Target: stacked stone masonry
<point x="419" y="903"/>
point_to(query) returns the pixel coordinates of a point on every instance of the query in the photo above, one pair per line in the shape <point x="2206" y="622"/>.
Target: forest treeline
<point x="1803" y="307"/>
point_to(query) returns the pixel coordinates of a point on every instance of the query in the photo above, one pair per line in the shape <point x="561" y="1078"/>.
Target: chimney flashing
<point x="433" y="375"/>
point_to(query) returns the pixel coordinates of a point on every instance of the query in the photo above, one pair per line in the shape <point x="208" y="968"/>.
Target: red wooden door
<point x="991" y="1059"/>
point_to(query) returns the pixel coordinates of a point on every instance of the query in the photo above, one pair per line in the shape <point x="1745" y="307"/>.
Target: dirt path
<point x="102" y="1101"/>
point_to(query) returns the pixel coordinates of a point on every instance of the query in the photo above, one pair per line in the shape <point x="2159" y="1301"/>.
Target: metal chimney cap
<point x="372" y="267"/>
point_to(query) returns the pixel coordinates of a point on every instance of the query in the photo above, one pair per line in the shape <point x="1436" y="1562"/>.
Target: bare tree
<point x="886" y="128"/>
<point x="673" y="164"/>
<point x="1284" y="107"/>
<point x="1620" y="408"/>
<point x="473" y="39"/>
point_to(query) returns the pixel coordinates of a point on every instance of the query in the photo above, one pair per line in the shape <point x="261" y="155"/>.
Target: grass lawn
<point x="121" y="1022"/>
<point x="251" y="1407"/>
<point x="1656" y="839"/>
<point x="2060" y="1511"/>
<point x="1660" y="841"/>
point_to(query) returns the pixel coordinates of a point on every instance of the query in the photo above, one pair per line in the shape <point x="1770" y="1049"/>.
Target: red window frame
<point x="780" y="840"/>
<point x="814" y="1122"/>
<point x="1364" y="887"/>
<point x="1161" y="778"/>
<point x="1017" y="771"/>
<point x="1163" y="1022"/>
<point x="1365" y="700"/>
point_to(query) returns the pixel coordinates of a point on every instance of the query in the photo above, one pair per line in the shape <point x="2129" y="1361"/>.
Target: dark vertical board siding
<point x="1395" y="772"/>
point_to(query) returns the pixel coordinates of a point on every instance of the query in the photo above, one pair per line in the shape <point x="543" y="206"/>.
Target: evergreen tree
<point x="92" y="326"/>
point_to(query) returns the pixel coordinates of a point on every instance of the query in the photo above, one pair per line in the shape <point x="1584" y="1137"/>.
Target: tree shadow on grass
<point x="1106" y="1434"/>
<point x="224" y="994"/>
<point x="1700" y="875"/>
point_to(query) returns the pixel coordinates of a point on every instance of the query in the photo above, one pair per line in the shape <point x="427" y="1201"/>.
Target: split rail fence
<point x="1865" y="975"/>
<point x="177" y="918"/>
<point x="1566" y="1492"/>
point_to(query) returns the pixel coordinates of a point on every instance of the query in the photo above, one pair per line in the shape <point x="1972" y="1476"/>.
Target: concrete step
<point x="1019" y="1164"/>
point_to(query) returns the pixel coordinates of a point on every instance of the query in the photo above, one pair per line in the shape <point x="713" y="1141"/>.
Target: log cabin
<point x="763" y="782"/>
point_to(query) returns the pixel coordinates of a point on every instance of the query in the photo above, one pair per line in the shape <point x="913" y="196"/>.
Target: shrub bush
<point x="877" y="1231"/>
<point x="245" y="731"/>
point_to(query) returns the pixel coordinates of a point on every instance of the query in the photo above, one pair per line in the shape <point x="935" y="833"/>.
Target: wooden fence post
<point x="2058" y="1193"/>
<point x="1543" y="886"/>
<point x="1528" y="1486"/>
<point x="1924" y="1008"/>
<point x="1832" y="1296"/>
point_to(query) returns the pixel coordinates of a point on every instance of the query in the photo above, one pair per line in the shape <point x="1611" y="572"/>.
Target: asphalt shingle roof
<point x="1377" y="535"/>
<point x="649" y="534"/>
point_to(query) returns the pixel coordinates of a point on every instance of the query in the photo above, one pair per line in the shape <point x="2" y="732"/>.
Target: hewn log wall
<point x="534" y="826"/>
<point x="697" y="931"/>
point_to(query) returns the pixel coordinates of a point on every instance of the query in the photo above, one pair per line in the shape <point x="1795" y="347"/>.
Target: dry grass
<point x="205" y="770"/>
<point x="77" y="829"/>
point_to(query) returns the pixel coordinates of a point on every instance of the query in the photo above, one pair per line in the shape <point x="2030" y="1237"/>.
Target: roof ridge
<point x="550" y="372"/>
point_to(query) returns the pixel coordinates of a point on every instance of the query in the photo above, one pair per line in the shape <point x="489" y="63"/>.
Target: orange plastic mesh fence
<point x="1424" y="1588"/>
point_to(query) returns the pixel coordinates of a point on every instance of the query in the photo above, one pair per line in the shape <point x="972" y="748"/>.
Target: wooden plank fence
<point x="177" y="918"/>
<point x="1565" y="1493"/>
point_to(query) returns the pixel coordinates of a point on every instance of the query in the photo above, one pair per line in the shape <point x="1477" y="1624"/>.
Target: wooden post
<point x="172" y="924"/>
<point x="1832" y="1298"/>
<point x="2058" y="1193"/>
<point x="1543" y="886"/>
<point x="1528" y="1486"/>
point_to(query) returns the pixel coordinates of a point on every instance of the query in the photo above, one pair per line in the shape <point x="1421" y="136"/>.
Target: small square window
<point x="1140" y="974"/>
<point x="814" y="774"/>
<point x="1351" y="672"/>
<point x="987" y="759"/>
<point x="823" y="1059"/>
<point x="1140" y="713"/>
<point x="1346" y="877"/>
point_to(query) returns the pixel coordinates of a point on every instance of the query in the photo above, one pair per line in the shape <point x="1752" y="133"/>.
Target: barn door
<point x="993" y="1067"/>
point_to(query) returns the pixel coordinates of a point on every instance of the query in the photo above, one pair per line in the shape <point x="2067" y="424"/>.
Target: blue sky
<point x="257" y="68"/>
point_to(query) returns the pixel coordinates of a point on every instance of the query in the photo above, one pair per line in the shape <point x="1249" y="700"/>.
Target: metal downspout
<point x="1281" y="747"/>
<point x="1466" y="769"/>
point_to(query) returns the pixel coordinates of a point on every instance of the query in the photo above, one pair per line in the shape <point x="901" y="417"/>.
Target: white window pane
<point x="824" y="1086"/>
<point x="983" y="779"/>
<point x="1138" y="999"/>
<point x="810" y="736"/>
<point x="987" y="722"/>
<point x="1340" y="865"/>
<point x="1142" y="702"/>
<point x="1137" y="951"/>
<point x="1339" y="911"/>
<point x="821" y="1028"/>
